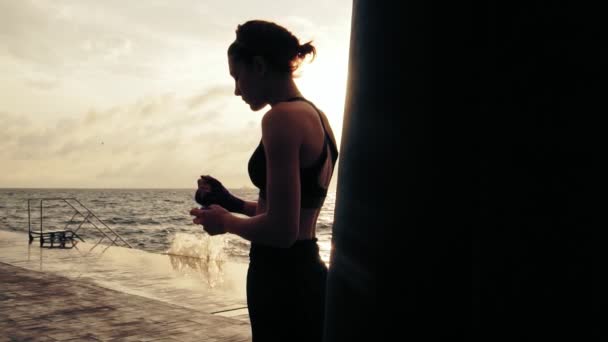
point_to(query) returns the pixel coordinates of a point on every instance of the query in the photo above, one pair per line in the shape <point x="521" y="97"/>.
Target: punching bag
<point x="467" y="203"/>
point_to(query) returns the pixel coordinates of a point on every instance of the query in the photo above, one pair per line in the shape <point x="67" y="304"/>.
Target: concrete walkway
<point x="115" y="294"/>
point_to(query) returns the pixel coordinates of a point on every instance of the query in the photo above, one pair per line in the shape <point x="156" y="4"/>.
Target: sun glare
<point x="324" y="82"/>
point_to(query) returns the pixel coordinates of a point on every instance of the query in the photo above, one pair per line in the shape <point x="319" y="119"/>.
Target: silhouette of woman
<point x="292" y="166"/>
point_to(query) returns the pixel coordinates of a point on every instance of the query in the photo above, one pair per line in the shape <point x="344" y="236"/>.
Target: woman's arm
<point x="249" y="208"/>
<point x="279" y="225"/>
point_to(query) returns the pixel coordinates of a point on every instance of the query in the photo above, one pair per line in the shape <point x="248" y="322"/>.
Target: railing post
<point x="29" y="222"/>
<point x="86" y="218"/>
<point x="41" y="216"/>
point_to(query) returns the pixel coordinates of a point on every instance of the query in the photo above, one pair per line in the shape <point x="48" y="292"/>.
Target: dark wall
<point x="468" y="190"/>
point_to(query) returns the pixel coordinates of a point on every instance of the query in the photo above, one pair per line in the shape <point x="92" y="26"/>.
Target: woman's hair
<point x="279" y="47"/>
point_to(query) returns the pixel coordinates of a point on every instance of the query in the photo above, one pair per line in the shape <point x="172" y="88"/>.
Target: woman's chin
<point x="256" y="106"/>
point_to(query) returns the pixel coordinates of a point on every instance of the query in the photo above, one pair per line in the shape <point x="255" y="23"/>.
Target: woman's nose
<point x="237" y="91"/>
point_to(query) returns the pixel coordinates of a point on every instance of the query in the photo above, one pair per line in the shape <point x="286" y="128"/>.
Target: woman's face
<point x="247" y="83"/>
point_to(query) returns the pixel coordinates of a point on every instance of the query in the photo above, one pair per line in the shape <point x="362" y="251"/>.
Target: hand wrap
<point x="218" y="195"/>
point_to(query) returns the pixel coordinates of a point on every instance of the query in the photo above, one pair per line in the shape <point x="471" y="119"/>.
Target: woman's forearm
<point x="261" y="229"/>
<point x="249" y="208"/>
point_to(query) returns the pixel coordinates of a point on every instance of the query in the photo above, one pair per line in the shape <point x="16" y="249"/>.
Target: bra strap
<point x="333" y="147"/>
<point x="300" y="98"/>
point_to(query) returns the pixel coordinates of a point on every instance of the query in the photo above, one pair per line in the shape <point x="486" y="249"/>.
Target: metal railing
<point x="79" y="210"/>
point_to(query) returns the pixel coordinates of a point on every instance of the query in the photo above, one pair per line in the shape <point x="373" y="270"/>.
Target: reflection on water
<point x="201" y="255"/>
<point x="82" y="253"/>
<point x="180" y="280"/>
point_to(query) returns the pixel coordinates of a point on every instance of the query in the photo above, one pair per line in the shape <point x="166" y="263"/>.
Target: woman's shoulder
<point x="285" y="120"/>
<point x="286" y="113"/>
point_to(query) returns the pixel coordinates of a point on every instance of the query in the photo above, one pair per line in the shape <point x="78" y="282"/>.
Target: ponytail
<point x="306" y="49"/>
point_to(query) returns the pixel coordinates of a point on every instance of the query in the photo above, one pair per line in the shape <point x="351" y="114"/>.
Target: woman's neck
<point x="284" y="89"/>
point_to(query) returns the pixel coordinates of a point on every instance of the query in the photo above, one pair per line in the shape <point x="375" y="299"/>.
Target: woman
<point x="292" y="167"/>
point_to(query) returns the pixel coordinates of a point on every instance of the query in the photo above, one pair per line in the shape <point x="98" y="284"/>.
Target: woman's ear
<point x="259" y="65"/>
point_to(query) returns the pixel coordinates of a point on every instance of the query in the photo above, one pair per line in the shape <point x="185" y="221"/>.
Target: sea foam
<point x="201" y="253"/>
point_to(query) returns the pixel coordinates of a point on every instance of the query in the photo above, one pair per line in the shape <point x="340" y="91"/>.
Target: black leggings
<point x="286" y="292"/>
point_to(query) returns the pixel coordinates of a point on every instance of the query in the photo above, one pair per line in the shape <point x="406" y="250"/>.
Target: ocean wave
<point x="324" y="226"/>
<point x="120" y="220"/>
<point x="148" y="222"/>
<point x="177" y="218"/>
<point x="146" y="219"/>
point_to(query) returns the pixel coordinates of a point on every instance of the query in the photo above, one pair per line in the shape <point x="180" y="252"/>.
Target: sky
<point x="137" y="94"/>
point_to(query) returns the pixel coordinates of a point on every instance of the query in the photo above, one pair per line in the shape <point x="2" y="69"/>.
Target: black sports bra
<point x="312" y="194"/>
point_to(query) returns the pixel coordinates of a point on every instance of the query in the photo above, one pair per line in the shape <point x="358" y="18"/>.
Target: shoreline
<point x="185" y="282"/>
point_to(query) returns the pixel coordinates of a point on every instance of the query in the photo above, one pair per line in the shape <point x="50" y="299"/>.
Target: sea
<point x="153" y="220"/>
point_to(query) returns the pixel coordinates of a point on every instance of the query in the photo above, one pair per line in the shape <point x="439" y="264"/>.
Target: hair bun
<point x="279" y="47"/>
<point x="306" y="49"/>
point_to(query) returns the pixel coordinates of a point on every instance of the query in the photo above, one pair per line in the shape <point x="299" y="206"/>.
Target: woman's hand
<point x="212" y="218"/>
<point x="203" y="184"/>
<point x="211" y="191"/>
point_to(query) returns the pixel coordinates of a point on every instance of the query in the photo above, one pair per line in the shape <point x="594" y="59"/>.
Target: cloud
<point x="120" y="170"/>
<point x="133" y="143"/>
<point x="204" y="97"/>
<point x="152" y="123"/>
<point x="29" y="33"/>
<point x="43" y="84"/>
<point x="60" y="39"/>
<point x="108" y="92"/>
<point x="108" y="48"/>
